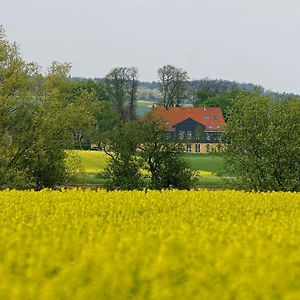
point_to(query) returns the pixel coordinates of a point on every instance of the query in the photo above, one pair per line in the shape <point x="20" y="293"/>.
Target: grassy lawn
<point x="91" y="164"/>
<point x="208" y="162"/>
<point x="90" y="161"/>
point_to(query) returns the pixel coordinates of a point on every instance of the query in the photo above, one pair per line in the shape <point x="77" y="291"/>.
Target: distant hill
<point x="219" y="86"/>
<point x="150" y="90"/>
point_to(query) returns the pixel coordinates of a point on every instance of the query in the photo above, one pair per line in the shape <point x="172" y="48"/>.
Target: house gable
<point x="189" y="129"/>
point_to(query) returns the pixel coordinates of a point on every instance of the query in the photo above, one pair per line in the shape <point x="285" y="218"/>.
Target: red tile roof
<point x="210" y="117"/>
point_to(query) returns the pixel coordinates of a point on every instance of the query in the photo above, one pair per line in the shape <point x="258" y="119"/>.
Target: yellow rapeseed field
<point x="157" y="245"/>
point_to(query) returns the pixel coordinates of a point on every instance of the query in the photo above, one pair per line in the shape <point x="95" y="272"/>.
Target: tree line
<point x="42" y="115"/>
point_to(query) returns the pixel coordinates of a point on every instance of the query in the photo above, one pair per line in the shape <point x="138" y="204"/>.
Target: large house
<point x="200" y="128"/>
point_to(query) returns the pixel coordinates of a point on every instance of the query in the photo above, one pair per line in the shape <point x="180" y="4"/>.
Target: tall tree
<point x="116" y="87"/>
<point x="121" y="84"/>
<point x="36" y="121"/>
<point x="263" y="143"/>
<point x="173" y="85"/>
<point x="132" y="88"/>
<point x="17" y="108"/>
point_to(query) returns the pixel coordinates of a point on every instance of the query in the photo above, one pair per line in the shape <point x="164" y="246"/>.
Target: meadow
<point x="91" y="164"/>
<point x="78" y="244"/>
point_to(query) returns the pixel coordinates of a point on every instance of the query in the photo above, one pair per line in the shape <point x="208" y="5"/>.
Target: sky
<point x="253" y="41"/>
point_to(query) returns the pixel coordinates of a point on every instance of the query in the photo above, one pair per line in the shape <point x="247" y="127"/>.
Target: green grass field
<point x="207" y="162"/>
<point x="91" y="164"/>
<point x="90" y="161"/>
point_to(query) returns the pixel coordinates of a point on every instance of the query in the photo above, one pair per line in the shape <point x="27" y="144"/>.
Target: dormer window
<point x="209" y="127"/>
<point x="215" y="118"/>
<point x="206" y="117"/>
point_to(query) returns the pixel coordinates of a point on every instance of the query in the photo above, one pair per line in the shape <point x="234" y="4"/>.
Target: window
<point x="215" y="118"/>
<point x="206" y="117"/>
<point x="207" y="147"/>
<point x="189" y="135"/>
<point x="197" y="148"/>
<point x="168" y="135"/>
<point x="209" y="127"/>
<point x="181" y="135"/>
<point x="189" y="148"/>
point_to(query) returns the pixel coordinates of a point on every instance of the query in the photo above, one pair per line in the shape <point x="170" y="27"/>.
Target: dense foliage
<point x="205" y="98"/>
<point x="137" y="146"/>
<point x="263" y="150"/>
<point x="41" y="117"/>
<point x="158" y="245"/>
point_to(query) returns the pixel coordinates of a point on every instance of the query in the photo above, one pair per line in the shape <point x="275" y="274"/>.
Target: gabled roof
<point x="210" y="117"/>
<point x="186" y="120"/>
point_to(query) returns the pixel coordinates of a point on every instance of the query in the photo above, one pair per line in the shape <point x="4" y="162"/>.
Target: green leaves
<point x="136" y="148"/>
<point x="264" y="143"/>
<point x="40" y="118"/>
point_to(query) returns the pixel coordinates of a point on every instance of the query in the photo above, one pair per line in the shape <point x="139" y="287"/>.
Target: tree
<point x="204" y="98"/>
<point x="263" y="143"/>
<point x="121" y="85"/>
<point x="163" y="159"/>
<point x="92" y="86"/>
<point x="37" y="119"/>
<point x="173" y="85"/>
<point x="97" y="87"/>
<point x="123" y="170"/>
<point x="131" y="88"/>
<point x="137" y="146"/>
<point x="202" y="95"/>
<point x="16" y="109"/>
<point x="49" y="137"/>
<point x="115" y="85"/>
<point x="105" y="119"/>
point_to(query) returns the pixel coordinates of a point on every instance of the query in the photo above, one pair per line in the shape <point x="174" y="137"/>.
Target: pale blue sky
<point x="253" y="41"/>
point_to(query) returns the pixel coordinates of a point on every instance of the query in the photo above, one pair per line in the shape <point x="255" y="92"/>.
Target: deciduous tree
<point x="132" y="88"/>
<point x="37" y="118"/>
<point x="173" y="85"/>
<point x="137" y="146"/>
<point x="121" y="84"/>
<point x="263" y="143"/>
